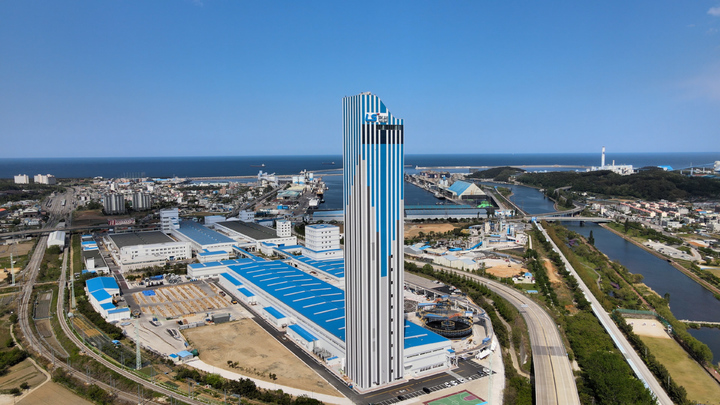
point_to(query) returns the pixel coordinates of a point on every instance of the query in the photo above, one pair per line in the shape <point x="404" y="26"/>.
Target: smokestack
<point x="602" y="160"/>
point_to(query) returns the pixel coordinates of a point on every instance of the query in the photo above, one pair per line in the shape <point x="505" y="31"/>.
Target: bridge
<point x="582" y="219"/>
<point x="700" y="322"/>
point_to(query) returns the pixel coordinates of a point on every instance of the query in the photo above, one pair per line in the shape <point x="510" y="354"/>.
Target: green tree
<point x="591" y="239"/>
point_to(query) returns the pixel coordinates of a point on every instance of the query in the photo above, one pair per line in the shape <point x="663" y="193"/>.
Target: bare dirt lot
<point x="53" y="394"/>
<point x="4" y="275"/>
<point x="17" y="250"/>
<point x="412" y="230"/>
<point x="248" y="344"/>
<point x="500" y="268"/>
<point x="22" y="372"/>
<point x="648" y="327"/>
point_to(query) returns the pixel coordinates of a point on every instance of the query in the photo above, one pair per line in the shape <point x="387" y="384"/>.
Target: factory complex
<point x="313" y="310"/>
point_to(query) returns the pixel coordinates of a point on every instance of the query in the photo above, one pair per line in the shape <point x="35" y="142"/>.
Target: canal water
<point x="414" y="195"/>
<point x="688" y="300"/>
<point x="528" y="199"/>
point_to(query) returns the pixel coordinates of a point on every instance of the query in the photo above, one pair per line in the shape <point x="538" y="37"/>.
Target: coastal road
<point x="554" y="379"/>
<point x="637" y="365"/>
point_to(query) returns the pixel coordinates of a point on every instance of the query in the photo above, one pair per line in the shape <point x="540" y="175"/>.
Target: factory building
<point x="466" y="191"/>
<point x="139" y="250"/>
<point x="312" y="311"/>
<point x="373" y="157"/>
<point x="56" y="238"/>
<point x="101" y="292"/>
<point x="45" y="179"/>
<point x="22" y="179"/>
<point x="254" y="234"/>
<point x="202" y="238"/>
<point x="141" y="201"/>
<point x="114" y="204"/>
<point x="322" y="242"/>
<point x="169" y="220"/>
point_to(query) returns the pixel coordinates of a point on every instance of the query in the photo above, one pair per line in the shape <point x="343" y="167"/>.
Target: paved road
<point x="637" y="365"/>
<point x="554" y="379"/>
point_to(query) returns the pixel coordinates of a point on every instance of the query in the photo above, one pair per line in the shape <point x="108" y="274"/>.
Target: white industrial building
<point x="101" y="292"/>
<point x="169" y="220"/>
<point x="139" y="250"/>
<point x="22" y="179"/>
<point x="202" y="238"/>
<point x="255" y="234"/>
<point x="322" y="242"/>
<point x="56" y="238"/>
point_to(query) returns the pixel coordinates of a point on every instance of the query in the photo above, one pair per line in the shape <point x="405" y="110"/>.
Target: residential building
<point x="22" y="179"/>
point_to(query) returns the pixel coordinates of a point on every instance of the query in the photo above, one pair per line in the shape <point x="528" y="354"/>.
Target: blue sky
<point x="205" y="78"/>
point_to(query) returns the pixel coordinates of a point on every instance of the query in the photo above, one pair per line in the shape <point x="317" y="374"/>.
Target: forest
<point x="649" y="185"/>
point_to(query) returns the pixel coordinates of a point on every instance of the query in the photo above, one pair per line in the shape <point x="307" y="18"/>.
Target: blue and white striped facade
<point x="373" y="158"/>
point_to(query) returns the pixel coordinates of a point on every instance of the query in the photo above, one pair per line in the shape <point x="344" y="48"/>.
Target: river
<point x="688" y="300"/>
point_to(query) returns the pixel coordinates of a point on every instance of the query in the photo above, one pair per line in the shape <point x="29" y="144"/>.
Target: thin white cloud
<point x="705" y="85"/>
<point x="714" y="11"/>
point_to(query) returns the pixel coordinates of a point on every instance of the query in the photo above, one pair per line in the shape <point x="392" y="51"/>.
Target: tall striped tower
<point x="373" y="201"/>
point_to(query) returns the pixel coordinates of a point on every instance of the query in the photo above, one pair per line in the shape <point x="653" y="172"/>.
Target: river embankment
<point x="673" y="263"/>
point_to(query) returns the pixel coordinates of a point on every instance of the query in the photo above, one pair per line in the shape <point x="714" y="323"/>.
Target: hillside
<point x="646" y="185"/>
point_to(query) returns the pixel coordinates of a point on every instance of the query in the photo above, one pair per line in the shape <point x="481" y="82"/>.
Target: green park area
<point x="700" y="386"/>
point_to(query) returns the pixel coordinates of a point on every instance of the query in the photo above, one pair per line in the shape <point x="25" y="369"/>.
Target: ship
<point x="328" y="163"/>
<point x="262" y="165"/>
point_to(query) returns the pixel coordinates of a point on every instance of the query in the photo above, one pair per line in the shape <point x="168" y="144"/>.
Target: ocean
<point x="250" y="165"/>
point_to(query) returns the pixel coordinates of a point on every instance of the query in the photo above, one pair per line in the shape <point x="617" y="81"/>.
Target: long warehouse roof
<point x="201" y="234"/>
<point x="317" y="300"/>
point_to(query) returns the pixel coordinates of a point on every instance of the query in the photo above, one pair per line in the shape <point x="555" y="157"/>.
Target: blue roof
<point x="119" y="311"/>
<point x="246" y="292"/>
<point x="201" y="234"/>
<point x="459" y="187"/>
<point x="99" y="283"/>
<point x="206" y="252"/>
<point x="173" y="355"/>
<point x="101" y="295"/>
<point x="184" y="353"/>
<point x="333" y="267"/>
<point x="231" y="279"/>
<point x="303" y="333"/>
<point x="274" y="313"/>
<point x="320" y="302"/>
<point x="108" y="305"/>
<point x="316" y="300"/>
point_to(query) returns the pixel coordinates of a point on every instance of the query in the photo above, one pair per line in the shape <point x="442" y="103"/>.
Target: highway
<point x="554" y="379"/>
<point x="637" y="365"/>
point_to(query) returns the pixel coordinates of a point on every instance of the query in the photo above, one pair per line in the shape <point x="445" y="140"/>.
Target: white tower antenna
<point x="602" y="159"/>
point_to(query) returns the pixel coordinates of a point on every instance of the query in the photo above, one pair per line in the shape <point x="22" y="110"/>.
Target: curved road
<point x="637" y="365"/>
<point x="554" y="379"/>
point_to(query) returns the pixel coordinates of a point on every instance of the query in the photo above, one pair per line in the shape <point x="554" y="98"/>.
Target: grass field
<point x="459" y="398"/>
<point x="53" y="394"/>
<point x="254" y="349"/>
<point x="684" y="370"/>
<point x="22" y="372"/>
